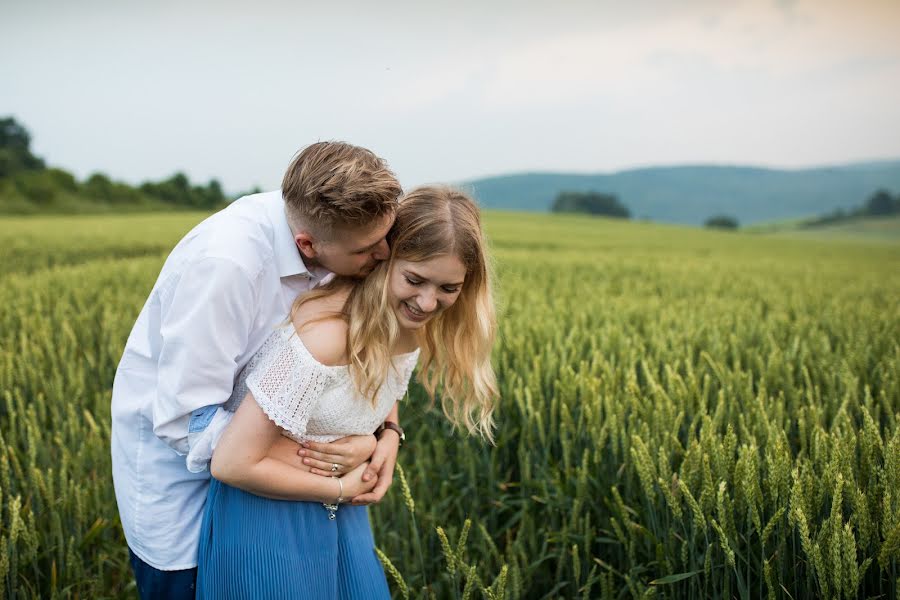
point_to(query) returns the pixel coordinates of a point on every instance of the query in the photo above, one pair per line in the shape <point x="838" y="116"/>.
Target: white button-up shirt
<point x="222" y="291"/>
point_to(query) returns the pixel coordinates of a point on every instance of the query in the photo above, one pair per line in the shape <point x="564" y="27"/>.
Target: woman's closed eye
<point x="411" y="281"/>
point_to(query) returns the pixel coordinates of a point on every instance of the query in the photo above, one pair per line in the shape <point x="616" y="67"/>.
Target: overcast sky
<point x="450" y="91"/>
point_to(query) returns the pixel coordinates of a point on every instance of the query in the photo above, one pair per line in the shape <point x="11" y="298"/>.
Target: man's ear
<point x="306" y="244"/>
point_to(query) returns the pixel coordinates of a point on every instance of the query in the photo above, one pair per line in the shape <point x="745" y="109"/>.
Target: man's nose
<point x="427" y="301"/>
<point x="381" y="251"/>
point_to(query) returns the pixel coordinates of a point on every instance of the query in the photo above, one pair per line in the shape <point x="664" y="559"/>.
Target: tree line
<point x="591" y="203"/>
<point x="28" y="185"/>
<point x="608" y="205"/>
<point x="879" y="204"/>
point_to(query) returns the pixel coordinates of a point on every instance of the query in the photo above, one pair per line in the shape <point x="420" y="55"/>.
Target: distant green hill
<point x="691" y="194"/>
<point x="884" y="229"/>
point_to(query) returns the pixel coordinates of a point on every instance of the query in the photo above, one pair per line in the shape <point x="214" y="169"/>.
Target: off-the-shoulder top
<point x="309" y="401"/>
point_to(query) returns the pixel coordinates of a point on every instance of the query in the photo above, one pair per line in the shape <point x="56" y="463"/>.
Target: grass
<point x="686" y="414"/>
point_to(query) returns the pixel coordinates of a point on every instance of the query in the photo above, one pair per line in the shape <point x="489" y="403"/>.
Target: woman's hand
<point x="347" y="453"/>
<point x="381" y="467"/>
<point x="353" y="483"/>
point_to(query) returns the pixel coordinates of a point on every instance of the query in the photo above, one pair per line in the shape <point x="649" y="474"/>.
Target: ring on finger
<point x="334" y="467"/>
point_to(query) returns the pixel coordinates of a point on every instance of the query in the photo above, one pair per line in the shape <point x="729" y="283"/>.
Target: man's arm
<point x="205" y="323"/>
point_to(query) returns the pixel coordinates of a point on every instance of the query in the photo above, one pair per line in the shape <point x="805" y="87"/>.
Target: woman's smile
<point x="414" y="314"/>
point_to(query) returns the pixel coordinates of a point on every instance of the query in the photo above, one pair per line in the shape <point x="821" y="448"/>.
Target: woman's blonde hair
<point x="456" y="344"/>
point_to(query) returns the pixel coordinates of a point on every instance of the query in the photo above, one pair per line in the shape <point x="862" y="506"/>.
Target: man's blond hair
<point x="335" y="184"/>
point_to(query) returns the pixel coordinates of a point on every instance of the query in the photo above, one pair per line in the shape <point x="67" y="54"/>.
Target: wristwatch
<point x="391" y="425"/>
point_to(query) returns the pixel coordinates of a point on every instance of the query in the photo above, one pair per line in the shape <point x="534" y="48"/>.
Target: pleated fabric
<point x="254" y="547"/>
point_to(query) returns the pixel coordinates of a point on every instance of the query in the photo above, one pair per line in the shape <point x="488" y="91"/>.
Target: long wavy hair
<point x="455" y="358"/>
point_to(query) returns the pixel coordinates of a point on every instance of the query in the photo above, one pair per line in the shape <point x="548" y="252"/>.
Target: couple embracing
<point x="255" y="408"/>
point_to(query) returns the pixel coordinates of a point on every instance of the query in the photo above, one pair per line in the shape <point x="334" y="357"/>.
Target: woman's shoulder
<point x="323" y="330"/>
<point x="326" y="341"/>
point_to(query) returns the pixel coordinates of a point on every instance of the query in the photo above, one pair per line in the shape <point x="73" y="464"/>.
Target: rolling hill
<point x="691" y="194"/>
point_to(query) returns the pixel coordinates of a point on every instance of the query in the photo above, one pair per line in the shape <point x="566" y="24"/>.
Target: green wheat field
<point x="685" y="414"/>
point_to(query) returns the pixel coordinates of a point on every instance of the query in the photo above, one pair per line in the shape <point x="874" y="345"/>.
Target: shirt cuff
<point x="203" y="442"/>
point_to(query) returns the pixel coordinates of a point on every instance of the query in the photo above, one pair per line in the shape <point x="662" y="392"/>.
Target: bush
<point x="15" y="154"/>
<point x="881" y="204"/>
<point x="37" y="186"/>
<point x="722" y="222"/>
<point x="592" y="203"/>
<point x="179" y="191"/>
<point x="62" y="180"/>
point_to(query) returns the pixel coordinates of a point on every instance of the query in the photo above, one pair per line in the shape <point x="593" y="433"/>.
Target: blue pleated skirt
<point x="254" y="547"/>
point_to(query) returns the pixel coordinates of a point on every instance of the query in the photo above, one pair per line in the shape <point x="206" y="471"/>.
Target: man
<point x="224" y="288"/>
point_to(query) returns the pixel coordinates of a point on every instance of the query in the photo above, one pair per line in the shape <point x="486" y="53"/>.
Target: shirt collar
<point x="287" y="256"/>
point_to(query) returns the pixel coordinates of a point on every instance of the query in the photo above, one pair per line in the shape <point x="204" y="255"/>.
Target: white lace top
<point x="306" y="399"/>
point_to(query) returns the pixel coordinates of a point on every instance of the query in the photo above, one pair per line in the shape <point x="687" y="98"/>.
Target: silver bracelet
<point x="332" y="508"/>
<point x="341" y="495"/>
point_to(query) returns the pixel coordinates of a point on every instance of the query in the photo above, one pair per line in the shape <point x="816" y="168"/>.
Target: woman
<point x="337" y="369"/>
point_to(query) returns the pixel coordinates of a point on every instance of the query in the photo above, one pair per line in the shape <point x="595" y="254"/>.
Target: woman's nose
<point x="427" y="301"/>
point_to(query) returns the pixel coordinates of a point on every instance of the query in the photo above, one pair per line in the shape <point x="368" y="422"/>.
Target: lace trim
<point x="287" y="385"/>
<point x="287" y="381"/>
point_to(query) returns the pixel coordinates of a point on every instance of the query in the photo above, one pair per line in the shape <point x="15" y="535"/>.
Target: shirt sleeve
<point x="203" y="442"/>
<point x="287" y="385"/>
<point x="205" y="324"/>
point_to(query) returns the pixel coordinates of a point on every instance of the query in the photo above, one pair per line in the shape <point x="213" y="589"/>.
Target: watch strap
<point x="395" y="427"/>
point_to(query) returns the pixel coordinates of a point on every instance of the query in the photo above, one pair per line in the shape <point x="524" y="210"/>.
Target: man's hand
<point x="382" y="466"/>
<point x="347" y="453"/>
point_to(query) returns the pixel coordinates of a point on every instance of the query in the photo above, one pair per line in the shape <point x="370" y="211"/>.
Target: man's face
<point x="353" y="252"/>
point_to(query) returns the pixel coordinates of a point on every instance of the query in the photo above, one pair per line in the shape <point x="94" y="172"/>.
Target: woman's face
<point x="418" y="291"/>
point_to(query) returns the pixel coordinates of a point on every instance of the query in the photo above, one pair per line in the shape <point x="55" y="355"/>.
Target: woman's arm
<point x="240" y="460"/>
